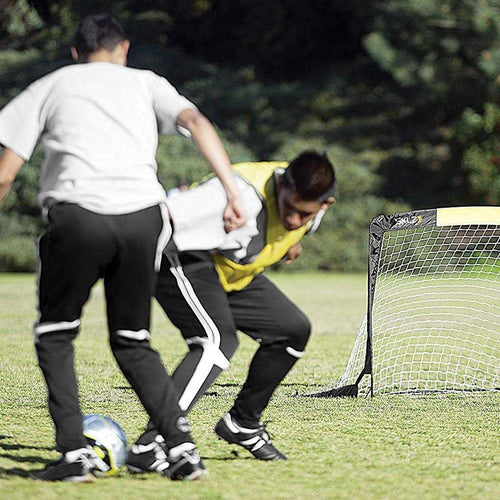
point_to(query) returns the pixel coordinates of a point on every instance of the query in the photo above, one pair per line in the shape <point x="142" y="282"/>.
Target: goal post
<point x="433" y="309"/>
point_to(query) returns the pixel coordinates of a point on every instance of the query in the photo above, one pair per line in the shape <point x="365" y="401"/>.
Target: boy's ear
<point x="281" y="183"/>
<point x="329" y="201"/>
<point x="74" y="54"/>
<point x="125" y="46"/>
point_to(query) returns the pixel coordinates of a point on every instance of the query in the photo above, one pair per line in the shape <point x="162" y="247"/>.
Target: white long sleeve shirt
<point x="197" y="217"/>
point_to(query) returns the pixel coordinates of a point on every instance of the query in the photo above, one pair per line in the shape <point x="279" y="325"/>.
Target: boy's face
<point x="293" y="210"/>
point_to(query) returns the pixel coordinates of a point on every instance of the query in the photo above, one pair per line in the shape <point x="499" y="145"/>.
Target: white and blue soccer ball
<point x="108" y="442"/>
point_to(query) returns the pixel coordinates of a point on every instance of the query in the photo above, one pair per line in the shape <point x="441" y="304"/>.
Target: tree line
<point x="402" y="94"/>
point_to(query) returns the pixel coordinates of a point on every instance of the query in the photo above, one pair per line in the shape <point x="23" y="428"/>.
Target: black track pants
<point x="78" y="248"/>
<point x="190" y="293"/>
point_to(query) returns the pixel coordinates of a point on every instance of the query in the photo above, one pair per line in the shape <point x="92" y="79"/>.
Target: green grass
<point x="385" y="447"/>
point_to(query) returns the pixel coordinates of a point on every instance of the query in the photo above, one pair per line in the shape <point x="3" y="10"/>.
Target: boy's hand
<point x="234" y="215"/>
<point x="293" y="253"/>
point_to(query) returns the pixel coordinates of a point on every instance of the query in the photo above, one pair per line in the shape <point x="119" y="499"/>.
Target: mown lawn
<point x="385" y="447"/>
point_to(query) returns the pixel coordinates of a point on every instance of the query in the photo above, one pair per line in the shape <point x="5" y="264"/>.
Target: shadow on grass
<point x="30" y="459"/>
<point x="229" y="384"/>
<point x="234" y="456"/>
<point x="4" y="446"/>
<point x="16" y="472"/>
<point x="291" y="384"/>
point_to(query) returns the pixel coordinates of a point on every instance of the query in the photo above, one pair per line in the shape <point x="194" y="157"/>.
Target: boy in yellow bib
<point x="211" y="284"/>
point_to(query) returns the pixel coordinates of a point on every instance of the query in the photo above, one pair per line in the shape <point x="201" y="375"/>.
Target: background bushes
<point x="402" y="94"/>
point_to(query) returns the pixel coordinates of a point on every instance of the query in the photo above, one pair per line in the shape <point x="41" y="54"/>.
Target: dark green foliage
<point x="402" y="94"/>
<point x="180" y="163"/>
<point x="443" y="59"/>
<point x="17" y="242"/>
<point x="479" y="133"/>
<point x="17" y="254"/>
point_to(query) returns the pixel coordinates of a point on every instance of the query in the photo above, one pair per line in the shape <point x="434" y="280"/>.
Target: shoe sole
<point x="198" y="474"/>
<point x="194" y="476"/>
<point x="137" y="470"/>
<point x="88" y="478"/>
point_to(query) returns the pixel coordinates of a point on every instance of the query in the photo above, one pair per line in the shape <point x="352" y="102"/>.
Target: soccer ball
<point x="108" y="442"/>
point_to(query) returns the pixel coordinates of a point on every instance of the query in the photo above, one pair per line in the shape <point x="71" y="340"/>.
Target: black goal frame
<point x="378" y="227"/>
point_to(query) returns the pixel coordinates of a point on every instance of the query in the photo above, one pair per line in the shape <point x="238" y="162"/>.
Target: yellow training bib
<point x="234" y="276"/>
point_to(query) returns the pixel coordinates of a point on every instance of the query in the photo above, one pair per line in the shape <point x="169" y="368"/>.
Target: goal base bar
<point x="351" y="391"/>
<point x="348" y="391"/>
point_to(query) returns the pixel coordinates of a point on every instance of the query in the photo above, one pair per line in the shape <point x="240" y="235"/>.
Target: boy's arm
<point x="10" y="164"/>
<point x="196" y="216"/>
<point x="208" y="142"/>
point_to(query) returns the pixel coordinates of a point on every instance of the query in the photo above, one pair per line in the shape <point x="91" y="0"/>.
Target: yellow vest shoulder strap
<point x="258" y="173"/>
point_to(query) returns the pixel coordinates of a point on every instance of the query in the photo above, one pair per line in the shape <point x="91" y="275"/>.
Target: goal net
<point x="433" y="316"/>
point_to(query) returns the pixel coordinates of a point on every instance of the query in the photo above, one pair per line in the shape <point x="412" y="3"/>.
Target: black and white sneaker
<point x="256" y="441"/>
<point x="185" y="463"/>
<point x="150" y="457"/>
<point x="75" y="466"/>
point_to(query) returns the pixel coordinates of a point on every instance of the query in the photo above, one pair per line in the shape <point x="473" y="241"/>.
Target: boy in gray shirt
<point x="106" y="218"/>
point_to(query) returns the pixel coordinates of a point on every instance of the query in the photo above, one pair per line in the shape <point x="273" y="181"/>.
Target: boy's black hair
<point x="312" y="176"/>
<point x="99" y="31"/>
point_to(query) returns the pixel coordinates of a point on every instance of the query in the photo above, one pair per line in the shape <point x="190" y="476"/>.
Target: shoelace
<point x="90" y="460"/>
<point x="161" y="462"/>
<point x="265" y="434"/>
<point x="191" y="456"/>
<point x="160" y="452"/>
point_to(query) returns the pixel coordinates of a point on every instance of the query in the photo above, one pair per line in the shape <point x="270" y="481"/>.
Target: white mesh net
<point x="436" y="313"/>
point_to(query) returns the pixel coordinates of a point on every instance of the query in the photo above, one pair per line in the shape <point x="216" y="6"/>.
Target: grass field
<point x="385" y="447"/>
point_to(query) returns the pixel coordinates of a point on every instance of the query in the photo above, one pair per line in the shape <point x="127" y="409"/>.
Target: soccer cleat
<point x="150" y="457"/>
<point x="185" y="463"/>
<point x="75" y="466"/>
<point x="256" y="441"/>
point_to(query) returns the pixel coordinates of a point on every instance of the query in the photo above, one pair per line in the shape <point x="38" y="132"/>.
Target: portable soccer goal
<point x="433" y="314"/>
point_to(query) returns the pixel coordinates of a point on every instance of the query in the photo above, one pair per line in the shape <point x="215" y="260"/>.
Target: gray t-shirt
<point x="99" y="124"/>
